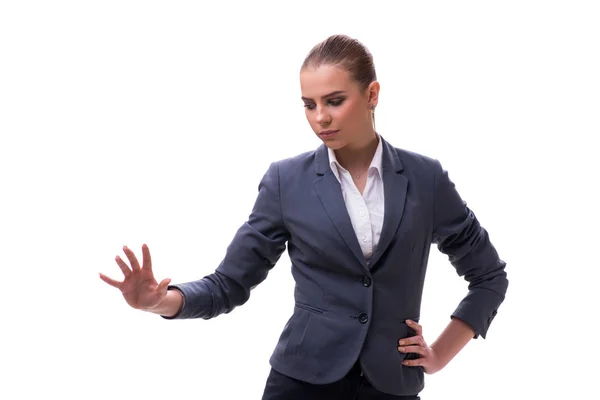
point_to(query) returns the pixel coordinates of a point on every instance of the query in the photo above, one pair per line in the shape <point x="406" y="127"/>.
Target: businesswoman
<point x="358" y="217"/>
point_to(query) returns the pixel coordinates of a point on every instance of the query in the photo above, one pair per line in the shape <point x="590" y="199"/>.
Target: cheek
<point x="346" y="114"/>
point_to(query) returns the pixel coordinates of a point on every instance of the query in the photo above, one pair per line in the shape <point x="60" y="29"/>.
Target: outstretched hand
<point x="139" y="288"/>
<point x="428" y="358"/>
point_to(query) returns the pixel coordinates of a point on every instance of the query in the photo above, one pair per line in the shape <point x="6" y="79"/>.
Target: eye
<point x="309" y="106"/>
<point x="336" y="102"/>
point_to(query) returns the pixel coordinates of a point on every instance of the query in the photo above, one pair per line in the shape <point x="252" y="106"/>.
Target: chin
<point x="334" y="144"/>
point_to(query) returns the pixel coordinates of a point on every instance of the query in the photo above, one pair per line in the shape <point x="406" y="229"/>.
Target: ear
<point x="373" y="93"/>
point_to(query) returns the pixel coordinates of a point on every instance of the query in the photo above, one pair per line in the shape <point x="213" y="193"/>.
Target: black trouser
<point x="353" y="386"/>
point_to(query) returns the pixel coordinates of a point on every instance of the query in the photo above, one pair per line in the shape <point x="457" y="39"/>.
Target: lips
<point x="328" y="134"/>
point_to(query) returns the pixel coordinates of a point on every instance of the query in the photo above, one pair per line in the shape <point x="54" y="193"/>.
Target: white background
<point x="130" y="122"/>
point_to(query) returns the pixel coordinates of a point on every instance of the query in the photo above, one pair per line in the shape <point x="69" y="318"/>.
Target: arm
<point x="458" y="234"/>
<point x="254" y="250"/>
<point x="452" y="340"/>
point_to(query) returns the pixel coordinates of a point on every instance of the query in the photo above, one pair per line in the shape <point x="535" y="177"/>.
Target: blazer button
<point x="366" y="281"/>
<point x="363" y="318"/>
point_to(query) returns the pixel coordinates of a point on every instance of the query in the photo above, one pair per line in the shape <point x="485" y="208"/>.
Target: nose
<point x="323" y="118"/>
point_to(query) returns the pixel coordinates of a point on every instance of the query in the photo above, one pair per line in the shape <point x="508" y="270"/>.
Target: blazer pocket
<point x="309" y="308"/>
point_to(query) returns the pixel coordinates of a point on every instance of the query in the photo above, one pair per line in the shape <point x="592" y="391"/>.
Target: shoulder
<point x="290" y="170"/>
<point x="412" y="157"/>
<point x="298" y="163"/>
<point x="417" y="163"/>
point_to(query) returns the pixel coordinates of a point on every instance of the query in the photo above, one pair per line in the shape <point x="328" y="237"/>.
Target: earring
<point x="373" y="116"/>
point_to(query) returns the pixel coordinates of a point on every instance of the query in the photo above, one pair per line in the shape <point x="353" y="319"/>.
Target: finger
<point x="418" y="328"/>
<point x="124" y="268"/>
<point x="413" y="349"/>
<point x="110" y="281"/>
<point x="135" y="265"/>
<point x="414" y="363"/>
<point x="146" y="259"/>
<point x="414" y="340"/>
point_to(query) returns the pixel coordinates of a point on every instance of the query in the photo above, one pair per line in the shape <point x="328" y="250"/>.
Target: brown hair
<point x="346" y="52"/>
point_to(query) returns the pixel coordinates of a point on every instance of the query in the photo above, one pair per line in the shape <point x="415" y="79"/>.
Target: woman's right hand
<point x="139" y="288"/>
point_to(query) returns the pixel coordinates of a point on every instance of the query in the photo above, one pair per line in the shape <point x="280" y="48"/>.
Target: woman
<point x="358" y="217"/>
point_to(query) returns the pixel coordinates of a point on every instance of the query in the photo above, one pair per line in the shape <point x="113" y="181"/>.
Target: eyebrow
<point x="324" y="97"/>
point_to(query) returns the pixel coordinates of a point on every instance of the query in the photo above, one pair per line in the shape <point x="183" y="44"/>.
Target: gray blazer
<point x="346" y="309"/>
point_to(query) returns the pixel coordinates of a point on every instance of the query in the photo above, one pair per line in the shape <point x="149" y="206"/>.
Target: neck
<point x="357" y="157"/>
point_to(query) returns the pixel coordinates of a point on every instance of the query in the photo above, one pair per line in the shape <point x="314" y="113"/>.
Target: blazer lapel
<point x="395" y="186"/>
<point x="330" y="192"/>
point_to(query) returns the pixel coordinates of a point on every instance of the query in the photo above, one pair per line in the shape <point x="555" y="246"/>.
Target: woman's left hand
<point x="428" y="358"/>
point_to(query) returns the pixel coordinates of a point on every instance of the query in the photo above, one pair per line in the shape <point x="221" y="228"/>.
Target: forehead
<point x="318" y="81"/>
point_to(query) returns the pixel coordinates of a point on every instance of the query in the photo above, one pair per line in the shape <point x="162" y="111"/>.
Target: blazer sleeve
<point x="254" y="250"/>
<point x="458" y="234"/>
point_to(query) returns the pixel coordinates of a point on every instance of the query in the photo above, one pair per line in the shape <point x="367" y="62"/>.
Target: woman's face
<point x="338" y="111"/>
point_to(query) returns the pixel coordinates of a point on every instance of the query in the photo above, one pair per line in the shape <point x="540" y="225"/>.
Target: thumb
<point x="162" y="286"/>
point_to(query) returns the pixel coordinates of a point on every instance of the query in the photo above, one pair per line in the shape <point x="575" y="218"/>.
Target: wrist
<point x="170" y="305"/>
<point x="442" y="361"/>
